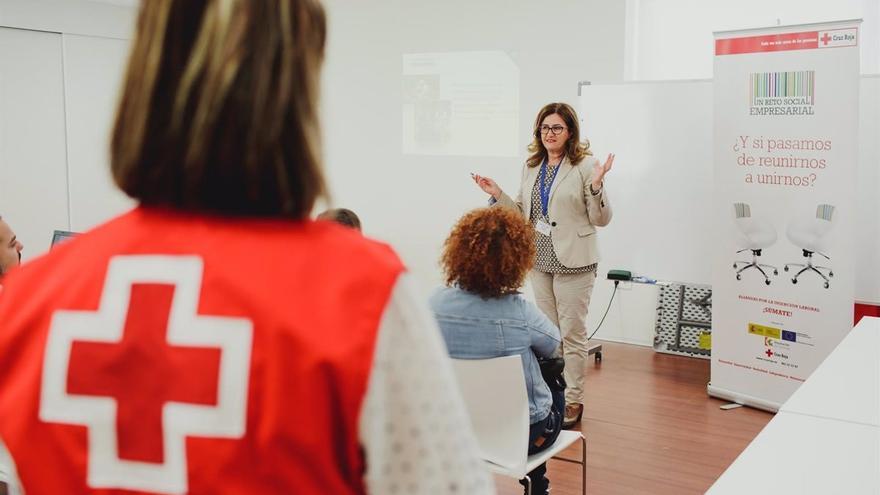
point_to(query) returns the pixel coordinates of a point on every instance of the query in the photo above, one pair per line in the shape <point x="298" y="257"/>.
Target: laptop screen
<point x="62" y="235"/>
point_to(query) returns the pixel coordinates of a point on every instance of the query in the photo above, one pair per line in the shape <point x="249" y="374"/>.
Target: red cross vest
<point x="173" y="353"/>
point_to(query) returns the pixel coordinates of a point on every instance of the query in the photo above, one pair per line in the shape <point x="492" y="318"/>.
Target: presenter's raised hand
<point x="487" y="185"/>
<point x="600" y="169"/>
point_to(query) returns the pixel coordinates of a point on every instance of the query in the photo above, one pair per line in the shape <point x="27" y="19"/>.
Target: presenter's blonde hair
<point x="218" y="111"/>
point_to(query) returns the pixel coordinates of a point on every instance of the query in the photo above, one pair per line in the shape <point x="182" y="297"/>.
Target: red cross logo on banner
<point x="825" y="39"/>
<point x="769" y="353"/>
<point x="146" y="371"/>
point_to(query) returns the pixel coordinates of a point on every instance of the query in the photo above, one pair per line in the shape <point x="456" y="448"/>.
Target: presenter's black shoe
<point x="573" y="413"/>
<point x="539" y="487"/>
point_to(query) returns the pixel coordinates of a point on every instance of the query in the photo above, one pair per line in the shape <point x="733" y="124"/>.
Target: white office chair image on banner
<point x="809" y="235"/>
<point x="494" y="392"/>
<point x="756" y="235"/>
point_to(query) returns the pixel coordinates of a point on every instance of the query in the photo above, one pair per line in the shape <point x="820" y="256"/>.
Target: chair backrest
<point x="809" y="233"/>
<point x="757" y="233"/>
<point x="494" y="392"/>
<point x="824" y="212"/>
<point x="742" y="210"/>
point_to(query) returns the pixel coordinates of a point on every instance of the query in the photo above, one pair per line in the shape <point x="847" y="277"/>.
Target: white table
<point x="846" y="386"/>
<point x="826" y="437"/>
<point x="797" y="454"/>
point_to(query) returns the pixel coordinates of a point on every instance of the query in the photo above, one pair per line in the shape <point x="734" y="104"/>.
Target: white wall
<point x="867" y="225"/>
<point x="412" y="201"/>
<point x="33" y="170"/>
<point x="60" y="62"/>
<point x="106" y="19"/>
<point x="672" y="39"/>
<point x="408" y="201"/>
<point x="93" y="70"/>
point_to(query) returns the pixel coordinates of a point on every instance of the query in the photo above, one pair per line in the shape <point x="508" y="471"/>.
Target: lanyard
<point x="544" y="187"/>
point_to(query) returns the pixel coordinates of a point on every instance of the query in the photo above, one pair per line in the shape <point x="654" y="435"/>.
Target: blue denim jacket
<point x="477" y="328"/>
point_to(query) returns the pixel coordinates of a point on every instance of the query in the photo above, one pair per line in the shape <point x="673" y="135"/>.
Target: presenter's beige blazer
<point x="574" y="211"/>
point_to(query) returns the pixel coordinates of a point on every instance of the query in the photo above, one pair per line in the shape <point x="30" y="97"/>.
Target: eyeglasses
<point x="556" y="129"/>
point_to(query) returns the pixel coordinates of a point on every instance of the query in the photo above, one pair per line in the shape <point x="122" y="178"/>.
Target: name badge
<point x="543" y="227"/>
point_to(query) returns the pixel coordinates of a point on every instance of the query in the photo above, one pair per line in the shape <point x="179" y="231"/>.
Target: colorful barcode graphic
<point x="783" y="84"/>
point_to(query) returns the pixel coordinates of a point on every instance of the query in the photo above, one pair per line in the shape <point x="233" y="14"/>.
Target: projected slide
<point x="460" y="103"/>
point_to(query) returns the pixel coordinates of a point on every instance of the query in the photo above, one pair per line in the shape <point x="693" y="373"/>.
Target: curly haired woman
<point x="485" y="261"/>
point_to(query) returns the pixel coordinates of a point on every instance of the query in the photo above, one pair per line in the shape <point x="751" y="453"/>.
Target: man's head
<point x="10" y="248"/>
<point x="342" y="216"/>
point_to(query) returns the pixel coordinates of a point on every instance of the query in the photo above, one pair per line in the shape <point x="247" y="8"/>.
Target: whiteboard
<point x="662" y="180"/>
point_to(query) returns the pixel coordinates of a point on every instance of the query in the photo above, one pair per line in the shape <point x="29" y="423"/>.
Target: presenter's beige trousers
<point x="565" y="299"/>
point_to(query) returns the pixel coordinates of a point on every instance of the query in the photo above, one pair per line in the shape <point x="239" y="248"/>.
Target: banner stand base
<point x="744" y="399"/>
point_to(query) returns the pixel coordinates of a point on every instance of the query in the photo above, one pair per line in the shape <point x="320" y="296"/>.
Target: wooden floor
<point x="651" y="428"/>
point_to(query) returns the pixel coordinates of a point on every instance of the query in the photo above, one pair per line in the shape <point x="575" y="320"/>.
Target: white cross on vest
<point x="147" y="355"/>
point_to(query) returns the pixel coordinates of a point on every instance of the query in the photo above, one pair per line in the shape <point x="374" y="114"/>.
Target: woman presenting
<point x="562" y="195"/>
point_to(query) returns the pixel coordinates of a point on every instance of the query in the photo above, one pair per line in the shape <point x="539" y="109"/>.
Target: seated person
<point x="10" y="249"/>
<point x="10" y="256"/>
<point x="485" y="261"/>
<point x="342" y="216"/>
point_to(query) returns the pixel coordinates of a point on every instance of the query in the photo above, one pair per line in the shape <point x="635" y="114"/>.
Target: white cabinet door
<point x="33" y="168"/>
<point x="93" y="69"/>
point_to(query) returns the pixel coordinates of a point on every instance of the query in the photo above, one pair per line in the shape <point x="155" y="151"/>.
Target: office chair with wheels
<point x="756" y="235"/>
<point x="809" y="234"/>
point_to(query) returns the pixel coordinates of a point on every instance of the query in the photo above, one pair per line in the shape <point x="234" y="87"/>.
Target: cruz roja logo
<point x="782" y="93"/>
<point x="773" y="349"/>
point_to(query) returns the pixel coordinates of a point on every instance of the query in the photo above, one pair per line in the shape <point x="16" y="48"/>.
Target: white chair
<point x="809" y="235"/>
<point x="494" y="393"/>
<point x="757" y="234"/>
